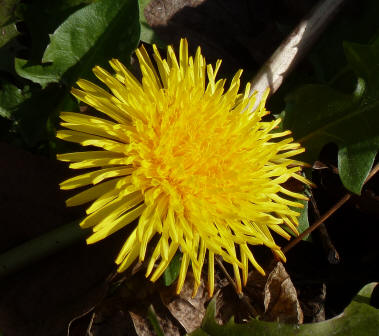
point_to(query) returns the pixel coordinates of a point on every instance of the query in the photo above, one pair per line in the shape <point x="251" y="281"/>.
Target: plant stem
<point x="25" y="254"/>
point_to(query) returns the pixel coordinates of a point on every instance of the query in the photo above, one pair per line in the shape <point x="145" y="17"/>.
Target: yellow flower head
<point x="190" y="159"/>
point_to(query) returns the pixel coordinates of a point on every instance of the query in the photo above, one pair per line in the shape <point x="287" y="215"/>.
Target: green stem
<point x="33" y="250"/>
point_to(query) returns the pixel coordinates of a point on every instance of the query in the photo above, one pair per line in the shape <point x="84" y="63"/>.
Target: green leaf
<point x="52" y="14"/>
<point x="32" y="114"/>
<point x="10" y="98"/>
<point x="7" y="10"/>
<point x="42" y="75"/>
<point x="8" y="18"/>
<point x="319" y="114"/>
<point x="172" y="271"/>
<point x="358" y="319"/>
<point x="303" y="218"/>
<point x="91" y="36"/>
<point x="7" y="33"/>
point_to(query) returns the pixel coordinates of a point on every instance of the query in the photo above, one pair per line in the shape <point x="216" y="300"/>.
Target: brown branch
<point x="326" y="242"/>
<point x="330" y="212"/>
<point x="223" y="269"/>
<point x="294" y="48"/>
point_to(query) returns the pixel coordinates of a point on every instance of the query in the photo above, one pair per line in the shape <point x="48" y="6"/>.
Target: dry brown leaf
<point x="125" y="311"/>
<point x="142" y="325"/>
<point x="280" y="298"/>
<point x="274" y="296"/>
<point x="187" y="310"/>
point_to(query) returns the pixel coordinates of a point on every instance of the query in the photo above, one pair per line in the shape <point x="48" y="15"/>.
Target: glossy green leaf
<point x="42" y="75"/>
<point x="319" y="114"/>
<point x="358" y="319"/>
<point x="52" y="14"/>
<point x="90" y="36"/>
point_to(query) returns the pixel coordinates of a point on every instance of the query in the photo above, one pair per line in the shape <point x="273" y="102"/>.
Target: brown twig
<point x="226" y="273"/>
<point x="330" y="212"/>
<point x="293" y="49"/>
<point x="329" y="248"/>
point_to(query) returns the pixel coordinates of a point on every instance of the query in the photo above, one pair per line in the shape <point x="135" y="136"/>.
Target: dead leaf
<point x="142" y="325"/>
<point x="125" y="311"/>
<point x="187" y="310"/>
<point x="280" y="298"/>
<point x="274" y="296"/>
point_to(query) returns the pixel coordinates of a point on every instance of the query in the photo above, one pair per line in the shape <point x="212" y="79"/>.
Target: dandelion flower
<point x="191" y="160"/>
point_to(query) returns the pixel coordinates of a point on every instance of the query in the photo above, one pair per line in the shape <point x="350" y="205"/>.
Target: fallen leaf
<point x="187" y="310"/>
<point x="142" y="325"/>
<point x="274" y="296"/>
<point x="280" y="298"/>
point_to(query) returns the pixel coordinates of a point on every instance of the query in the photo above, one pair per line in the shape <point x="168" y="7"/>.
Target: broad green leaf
<point x="358" y="319"/>
<point x="319" y="114"/>
<point x="172" y="271"/>
<point x="42" y="75"/>
<point x="52" y="14"/>
<point x="91" y="36"/>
